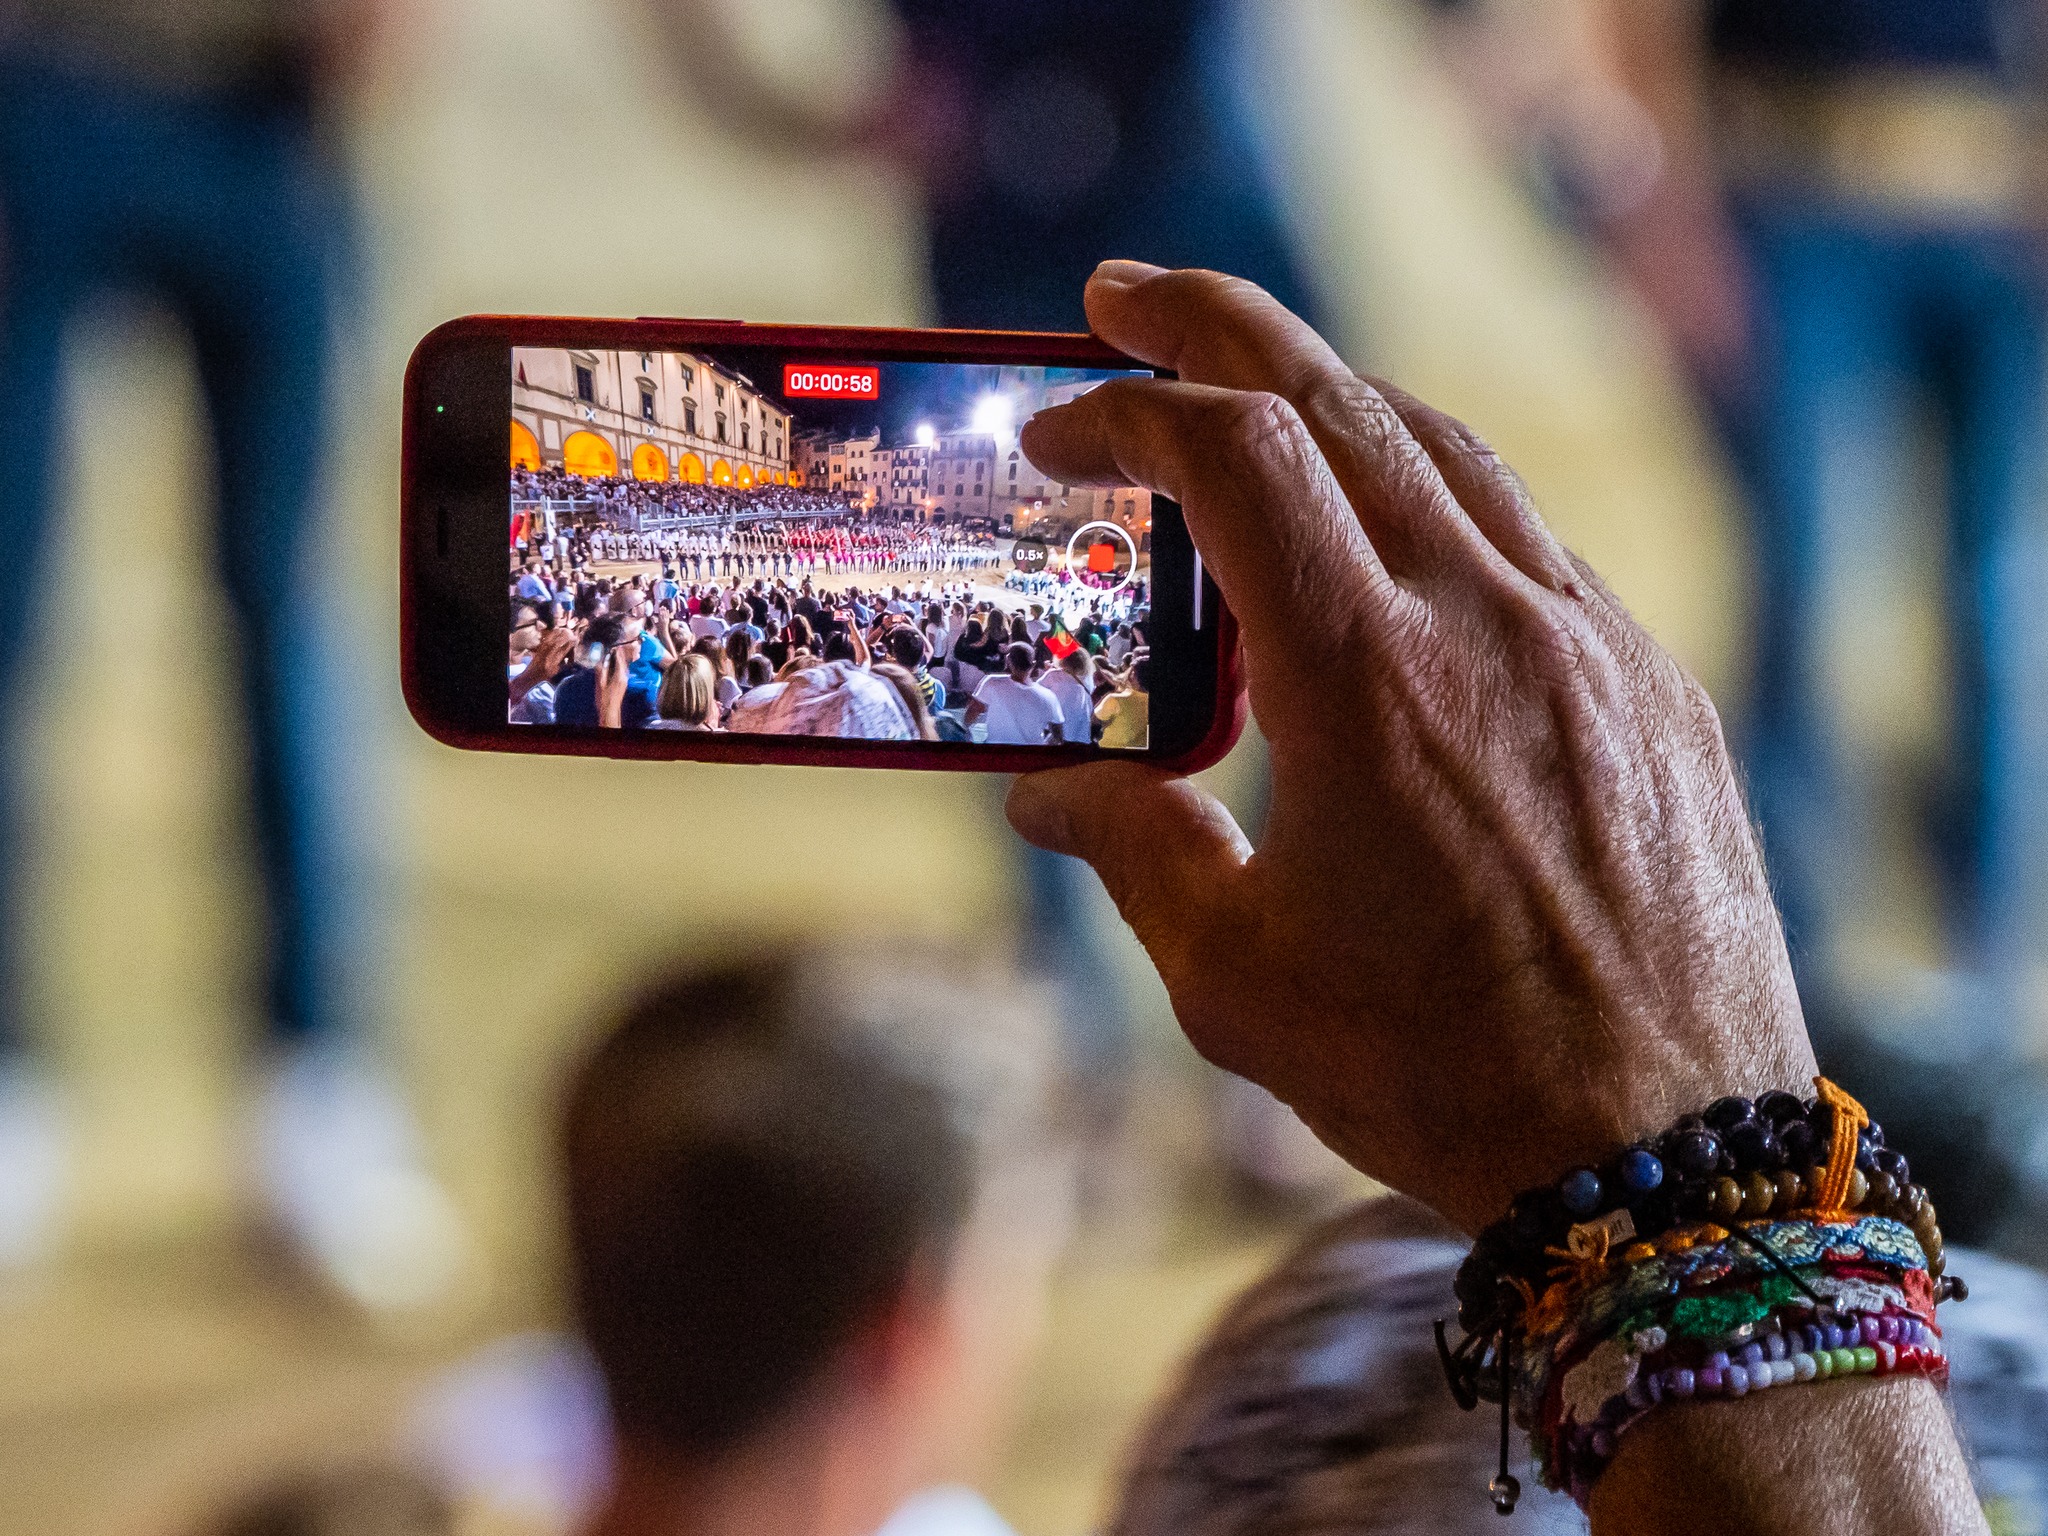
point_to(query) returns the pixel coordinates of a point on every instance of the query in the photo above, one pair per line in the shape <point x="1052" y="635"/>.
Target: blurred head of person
<point x="905" y="684"/>
<point x="908" y="649"/>
<point x="1317" y="1404"/>
<point x="760" y="671"/>
<point x="370" y="1500"/>
<point x="739" y="650"/>
<point x="525" y="631"/>
<point x="689" y="693"/>
<point x="714" y="651"/>
<point x="1080" y="666"/>
<point x="600" y="636"/>
<point x="813" y="1194"/>
<point x="1017" y="660"/>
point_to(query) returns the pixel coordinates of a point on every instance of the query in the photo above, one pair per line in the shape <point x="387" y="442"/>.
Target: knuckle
<point x="1259" y="428"/>
<point x="1700" y="704"/>
<point x="1213" y="289"/>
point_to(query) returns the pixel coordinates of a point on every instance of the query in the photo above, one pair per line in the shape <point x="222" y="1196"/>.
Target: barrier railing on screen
<point x="639" y="520"/>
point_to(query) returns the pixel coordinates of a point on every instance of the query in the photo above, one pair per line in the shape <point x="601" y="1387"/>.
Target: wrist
<point x="1847" y="1456"/>
<point x="1747" y="1042"/>
<point x="1754" y="1245"/>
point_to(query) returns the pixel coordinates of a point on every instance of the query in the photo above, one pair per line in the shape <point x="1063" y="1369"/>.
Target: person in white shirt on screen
<point x="705" y="623"/>
<point x="1019" y="712"/>
<point x="1072" y="682"/>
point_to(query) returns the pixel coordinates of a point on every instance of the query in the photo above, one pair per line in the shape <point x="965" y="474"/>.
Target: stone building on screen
<point x="645" y="415"/>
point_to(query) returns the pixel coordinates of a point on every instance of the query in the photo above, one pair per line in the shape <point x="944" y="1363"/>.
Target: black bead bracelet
<point x="1738" y="1160"/>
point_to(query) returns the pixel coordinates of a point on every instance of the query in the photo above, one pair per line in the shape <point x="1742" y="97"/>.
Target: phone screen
<point x="757" y="542"/>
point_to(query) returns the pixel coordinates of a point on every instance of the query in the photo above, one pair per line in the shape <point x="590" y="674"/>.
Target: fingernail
<point x="1125" y="274"/>
<point x="1039" y="817"/>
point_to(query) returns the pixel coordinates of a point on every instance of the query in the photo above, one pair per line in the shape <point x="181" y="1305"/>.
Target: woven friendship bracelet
<point x="1731" y="1277"/>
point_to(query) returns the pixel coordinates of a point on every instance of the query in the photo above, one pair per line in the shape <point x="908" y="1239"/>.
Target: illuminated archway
<point x="721" y="472"/>
<point x="778" y="477"/>
<point x="649" y="463"/>
<point x="690" y="469"/>
<point x="585" y="453"/>
<point x="796" y="477"/>
<point x="745" y="479"/>
<point x="525" y="448"/>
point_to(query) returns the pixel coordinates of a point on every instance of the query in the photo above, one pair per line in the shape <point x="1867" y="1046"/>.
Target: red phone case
<point x="652" y="334"/>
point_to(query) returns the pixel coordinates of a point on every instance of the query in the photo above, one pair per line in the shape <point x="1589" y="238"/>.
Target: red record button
<point x="830" y="381"/>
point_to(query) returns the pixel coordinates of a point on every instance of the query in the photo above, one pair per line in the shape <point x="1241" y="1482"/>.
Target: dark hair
<point x="753" y="1172"/>
<point x="519" y="607"/>
<point x="356" y="1501"/>
<point x="739" y="648"/>
<point x="839" y="646"/>
<point x="712" y="651"/>
<point x="760" y="670"/>
<point x="911" y="695"/>
<point x="1315" y="1402"/>
<point x="908" y="648"/>
<point x="1141" y="674"/>
<point x="1018" y="657"/>
<point x="607" y="632"/>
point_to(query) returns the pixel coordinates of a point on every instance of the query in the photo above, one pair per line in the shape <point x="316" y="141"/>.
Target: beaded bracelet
<point x="1739" y="1159"/>
<point x="1814" y="1254"/>
<point x="1714" y="1317"/>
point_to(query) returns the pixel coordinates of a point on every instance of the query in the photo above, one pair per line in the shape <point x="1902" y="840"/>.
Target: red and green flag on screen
<point x="1059" y="641"/>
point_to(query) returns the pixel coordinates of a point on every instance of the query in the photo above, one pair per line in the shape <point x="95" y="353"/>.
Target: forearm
<point x="1820" y="1459"/>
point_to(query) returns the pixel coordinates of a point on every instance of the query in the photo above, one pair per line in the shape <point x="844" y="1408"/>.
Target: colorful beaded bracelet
<point x="1716" y="1318"/>
<point x="1738" y="1159"/>
<point x="1621" y="1317"/>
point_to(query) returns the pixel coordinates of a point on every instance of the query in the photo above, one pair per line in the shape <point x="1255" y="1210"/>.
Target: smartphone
<point x="716" y="541"/>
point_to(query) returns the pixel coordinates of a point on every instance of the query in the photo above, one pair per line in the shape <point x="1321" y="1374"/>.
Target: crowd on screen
<point x="930" y="660"/>
<point x="705" y="532"/>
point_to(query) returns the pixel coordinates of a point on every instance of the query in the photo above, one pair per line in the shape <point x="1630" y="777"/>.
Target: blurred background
<point x="1748" y="292"/>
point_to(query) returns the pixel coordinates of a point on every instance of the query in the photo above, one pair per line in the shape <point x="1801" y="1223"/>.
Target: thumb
<point x="1165" y="849"/>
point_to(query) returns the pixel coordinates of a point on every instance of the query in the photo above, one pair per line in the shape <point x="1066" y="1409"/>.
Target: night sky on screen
<point x="943" y="394"/>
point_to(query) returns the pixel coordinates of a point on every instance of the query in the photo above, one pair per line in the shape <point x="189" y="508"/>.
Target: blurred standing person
<point x="1830" y="205"/>
<point x="181" y="151"/>
<point x="1046" y="138"/>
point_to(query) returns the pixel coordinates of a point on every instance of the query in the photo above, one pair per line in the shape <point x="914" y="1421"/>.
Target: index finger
<point x="1426" y="490"/>
<point x="1261" y="504"/>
